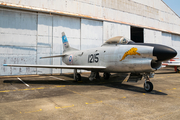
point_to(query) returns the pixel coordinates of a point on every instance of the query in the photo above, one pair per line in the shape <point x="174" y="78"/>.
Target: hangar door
<point x="137" y="34"/>
<point x="18" y="32"/>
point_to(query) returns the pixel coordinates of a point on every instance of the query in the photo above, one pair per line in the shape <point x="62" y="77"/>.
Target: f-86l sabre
<point x="116" y="55"/>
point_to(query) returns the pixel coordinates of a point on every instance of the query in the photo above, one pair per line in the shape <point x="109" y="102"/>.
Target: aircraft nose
<point x="164" y="53"/>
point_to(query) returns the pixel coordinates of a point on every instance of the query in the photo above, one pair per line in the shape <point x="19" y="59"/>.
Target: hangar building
<point x="30" y="29"/>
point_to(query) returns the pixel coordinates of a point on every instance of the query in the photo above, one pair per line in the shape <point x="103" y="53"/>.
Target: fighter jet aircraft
<point x="116" y="55"/>
<point x="172" y="63"/>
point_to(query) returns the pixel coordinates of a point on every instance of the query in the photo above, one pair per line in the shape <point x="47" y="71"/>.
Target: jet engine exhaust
<point x="156" y="65"/>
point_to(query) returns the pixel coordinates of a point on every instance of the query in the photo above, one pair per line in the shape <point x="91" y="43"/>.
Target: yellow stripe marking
<point x="32" y="111"/>
<point x="64" y="107"/>
<point x="124" y="97"/>
<point x="118" y="98"/>
<point x="94" y="102"/>
<point x="159" y="90"/>
<point x="40" y="88"/>
<point x="172" y="89"/>
<point x="5" y="91"/>
<point x="60" y="86"/>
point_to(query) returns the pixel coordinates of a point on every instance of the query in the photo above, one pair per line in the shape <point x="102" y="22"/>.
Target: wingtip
<point x="40" y="58"/>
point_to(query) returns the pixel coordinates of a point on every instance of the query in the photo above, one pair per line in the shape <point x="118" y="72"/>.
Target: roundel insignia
<point x="71" y="59"/>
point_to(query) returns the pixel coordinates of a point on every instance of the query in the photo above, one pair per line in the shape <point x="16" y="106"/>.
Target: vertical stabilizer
<point x="66" y="46"/>
<point x="65" y="41"/>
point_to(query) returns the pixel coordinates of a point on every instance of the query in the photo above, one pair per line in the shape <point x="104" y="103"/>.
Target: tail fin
<point x="66" y="46"/>
<point x="65" y="41"/>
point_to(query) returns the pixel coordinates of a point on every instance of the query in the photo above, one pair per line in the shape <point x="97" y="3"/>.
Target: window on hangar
<point x="137" y="34"/>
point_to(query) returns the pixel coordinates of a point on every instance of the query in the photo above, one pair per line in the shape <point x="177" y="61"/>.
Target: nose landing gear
<point x="148" y="86"/>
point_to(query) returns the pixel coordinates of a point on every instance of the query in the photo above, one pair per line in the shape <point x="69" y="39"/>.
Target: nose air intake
<point x="164" y="53"/>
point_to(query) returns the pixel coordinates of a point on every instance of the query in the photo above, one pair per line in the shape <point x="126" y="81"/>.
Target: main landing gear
<point x="106" y="75"/>
<point x="148" y="86"/>
<point x="77" y="76"/>
<point x="93" y="75"/>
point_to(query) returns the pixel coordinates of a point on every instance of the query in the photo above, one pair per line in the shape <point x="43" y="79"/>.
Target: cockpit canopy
<point x="119" y="40"/>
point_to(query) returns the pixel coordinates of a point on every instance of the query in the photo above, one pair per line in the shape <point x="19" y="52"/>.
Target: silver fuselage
<point x="110" y="56"/>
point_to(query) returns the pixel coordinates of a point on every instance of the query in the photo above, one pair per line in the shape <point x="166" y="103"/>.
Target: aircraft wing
<point x="54" y="56"/>
<point x="58" y="66"/>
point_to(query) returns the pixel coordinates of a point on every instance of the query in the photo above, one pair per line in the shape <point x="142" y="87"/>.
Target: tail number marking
<point x="93" y="58"/>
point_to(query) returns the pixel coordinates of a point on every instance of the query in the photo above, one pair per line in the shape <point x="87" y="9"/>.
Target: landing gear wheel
<point x="106" y="76"/>
<point x="177" y="71"/>
<point x="78" y="77"/>
<point x="148" y="86"/>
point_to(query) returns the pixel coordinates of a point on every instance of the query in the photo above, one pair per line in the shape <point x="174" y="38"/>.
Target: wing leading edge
<point x="53" y="56"/>
<point x="58" y="66"/>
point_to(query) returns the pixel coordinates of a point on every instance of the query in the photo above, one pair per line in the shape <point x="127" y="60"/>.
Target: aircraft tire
<point x="148" y="87"/>
<point x="78" y="77"/>
<point x="106" y="76"/>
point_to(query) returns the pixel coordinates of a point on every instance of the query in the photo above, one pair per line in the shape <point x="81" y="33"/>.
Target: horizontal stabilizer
<point x="58" y="66"/>
<point x="53" y="56"/>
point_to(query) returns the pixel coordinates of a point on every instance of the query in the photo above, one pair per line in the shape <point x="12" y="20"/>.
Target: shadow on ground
<point x="115" y="81"/>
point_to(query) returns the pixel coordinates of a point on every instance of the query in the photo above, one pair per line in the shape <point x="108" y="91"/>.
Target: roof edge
<point x="170" y="8"/>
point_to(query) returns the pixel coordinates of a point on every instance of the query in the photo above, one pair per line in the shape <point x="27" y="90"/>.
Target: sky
<point x="174" y="5"/>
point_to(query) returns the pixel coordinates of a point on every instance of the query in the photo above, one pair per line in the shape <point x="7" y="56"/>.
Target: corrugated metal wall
<point x="91" y="34"/>
<point x="44" y="41"/>
<point x="171" y="40"/>
<point x="153" y="14"/>
<point x="115" y="29"/>
<point x="18" y="41"/>
<point x="152" y="36"/>
<point x="25" y="37"/>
